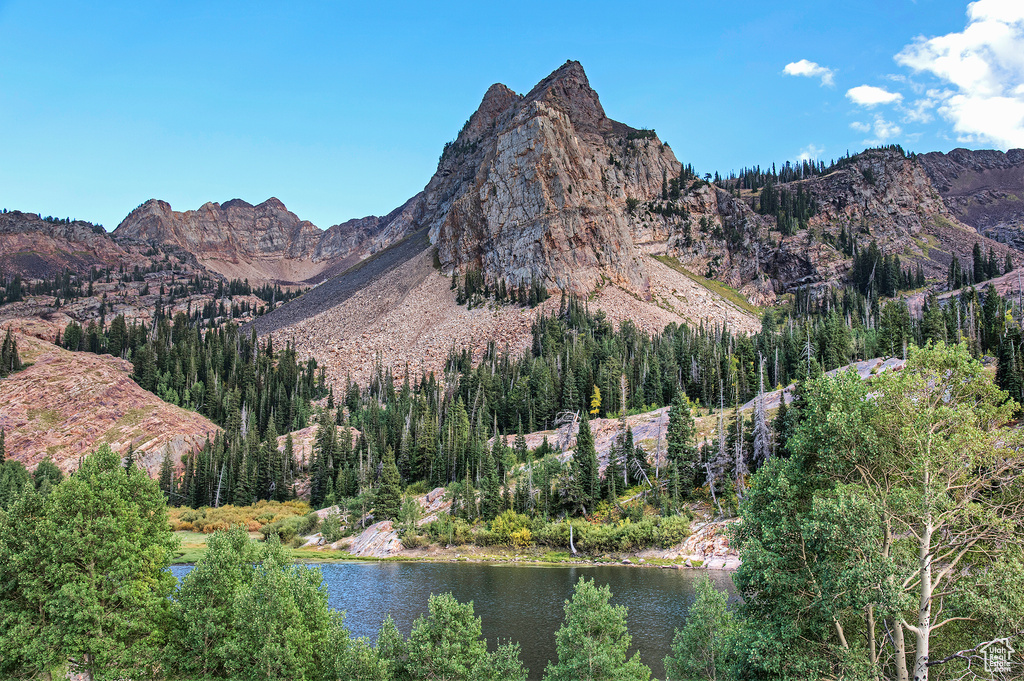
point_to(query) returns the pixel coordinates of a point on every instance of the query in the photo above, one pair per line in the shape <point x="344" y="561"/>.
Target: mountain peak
<point x="496" y="102"/>
<point x="568" y="88"/>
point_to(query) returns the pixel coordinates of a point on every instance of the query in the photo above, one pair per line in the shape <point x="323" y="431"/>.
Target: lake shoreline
<point x="476" y="555"/>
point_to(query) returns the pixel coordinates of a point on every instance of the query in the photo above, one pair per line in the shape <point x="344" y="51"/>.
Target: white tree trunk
<point x="924" y="615"/>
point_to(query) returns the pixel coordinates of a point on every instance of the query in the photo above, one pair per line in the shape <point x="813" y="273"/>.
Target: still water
<point x="514" y="602"/>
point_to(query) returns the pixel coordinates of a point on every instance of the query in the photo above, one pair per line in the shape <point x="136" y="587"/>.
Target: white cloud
<point x="920" y="112"/>
<point x="810" y="153"/>
<point x="860" y="127"/>
<point x="871" y="96"/>
<point x="884" y="131"/>
<point x="984" y="65"/>
<point x="809" y="69"/>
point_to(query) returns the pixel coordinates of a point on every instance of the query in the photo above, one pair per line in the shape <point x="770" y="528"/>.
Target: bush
<point x="417" y="488"/>
<point x="413" y="541"/>
<point x="485" y="537"/>
<point x="555" y="535"/>
<point x="673" y="530"/>
<point x="507" y="524"/>
<point x="522" y="538"/>
<point x="287" y="528"/>
<point x="252" y="518"/>
<point x="448" y="530"/>
<point x="331" y="528"/>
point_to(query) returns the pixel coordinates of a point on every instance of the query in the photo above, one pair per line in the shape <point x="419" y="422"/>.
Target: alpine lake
<point x="517" y="602"/>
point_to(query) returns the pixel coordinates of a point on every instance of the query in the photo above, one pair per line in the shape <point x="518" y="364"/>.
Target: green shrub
<point x="331" y="528"/>
<point x="448" y="530"/>
<point x="673" y="530"/>
<point x="417" y="488"/>
<point x="413" y="541"/>
<point x="507" y="524"/>
<point x="485" y="537"/>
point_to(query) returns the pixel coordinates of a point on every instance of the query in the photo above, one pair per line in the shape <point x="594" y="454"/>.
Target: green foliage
<point x="897" y="494"/>
<point x="10" y="360"/>
<point x="331" y="528"/>
<point x="387" y="501"/>
<point x="244" y="612"/>
<point x="13" y="481"/>
<point x="83" y="572"/>
<point x="512" y="529"/>
<point x="702" y="649"/>
<point x="593" y="641"/>
<point x="446" y="644"/>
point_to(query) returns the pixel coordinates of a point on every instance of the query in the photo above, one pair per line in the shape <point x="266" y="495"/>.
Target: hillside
<point x="69" y="403"/>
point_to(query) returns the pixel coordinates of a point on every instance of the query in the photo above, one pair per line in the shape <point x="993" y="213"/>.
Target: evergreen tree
<point x="593" y="641"/>
<point x="585" y="463"/>
<point x="613" y="474"/>
<point x="387" y="501"/>
<point x="682" y="434"/>
<point x="702" y="649"/>
<point x="10" y="361"/>
<point x="762" y="430"/>
<point x="979" y="264"/>
<point x="490" y="487"/>
<point x="636" y="460"/>
<point x="3" y="445"/>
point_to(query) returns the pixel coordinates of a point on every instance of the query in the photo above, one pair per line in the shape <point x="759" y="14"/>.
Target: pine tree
<point x="387" y="500"/>
<point x="3" y="445"/>
<point x="10" y="361"/>
<point x="613" y="473"/>
<point x="682" y="450"/>
<point x="593" y="641"/>
<point x="585" y="459"/>
<point x="636" y="460"/>
<point x="167" y="475"/>
<point x="490" y="488"/>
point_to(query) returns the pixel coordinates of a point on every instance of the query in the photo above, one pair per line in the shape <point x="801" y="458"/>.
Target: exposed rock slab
<point x="69" y="403"/>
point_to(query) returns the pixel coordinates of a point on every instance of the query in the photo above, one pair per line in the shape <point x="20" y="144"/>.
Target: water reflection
<point x="514" y="602"/>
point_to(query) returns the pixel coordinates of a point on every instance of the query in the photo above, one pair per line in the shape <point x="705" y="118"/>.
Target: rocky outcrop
<point x="879" y="195"/>
<point x="983" y="189"/>
<point x="542" y="187"/>
<point x="379" y="540"/>
<point x="69" y="403"/>
<point x="265" y="243"/>
<point x="34" y="248"/>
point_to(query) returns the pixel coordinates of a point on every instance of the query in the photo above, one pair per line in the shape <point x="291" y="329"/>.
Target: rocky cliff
<point x="983" y="189"/>
<point x="34" y="248"/>
<point x="265" y="243"/>
<point x="879" y="195"/>
<point x="542" y="186"/>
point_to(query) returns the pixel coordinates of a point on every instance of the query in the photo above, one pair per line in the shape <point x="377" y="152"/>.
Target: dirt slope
<point x="69" y="403"/>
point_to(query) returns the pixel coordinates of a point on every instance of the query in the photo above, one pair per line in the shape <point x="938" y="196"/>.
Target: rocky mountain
<point x="545" y="187"/>
<point x="542" y="186"/>
<point x="984" y="189"/>
<point x="265" y="243"/>
<point x="36" y="248"/>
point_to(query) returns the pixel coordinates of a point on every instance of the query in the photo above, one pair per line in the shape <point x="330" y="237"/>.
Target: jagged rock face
<point x="883" y="196"/>
<point x="235" y="229"/>
<point x="536" y="187"/>
<point x="879" y="195"/>
<point x="263" y="243"/>
<point x="34" y="248"/>
<point x="984" y="189"/>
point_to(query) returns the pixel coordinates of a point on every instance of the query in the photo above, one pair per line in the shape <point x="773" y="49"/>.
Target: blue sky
<point x="341" y="109"/>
